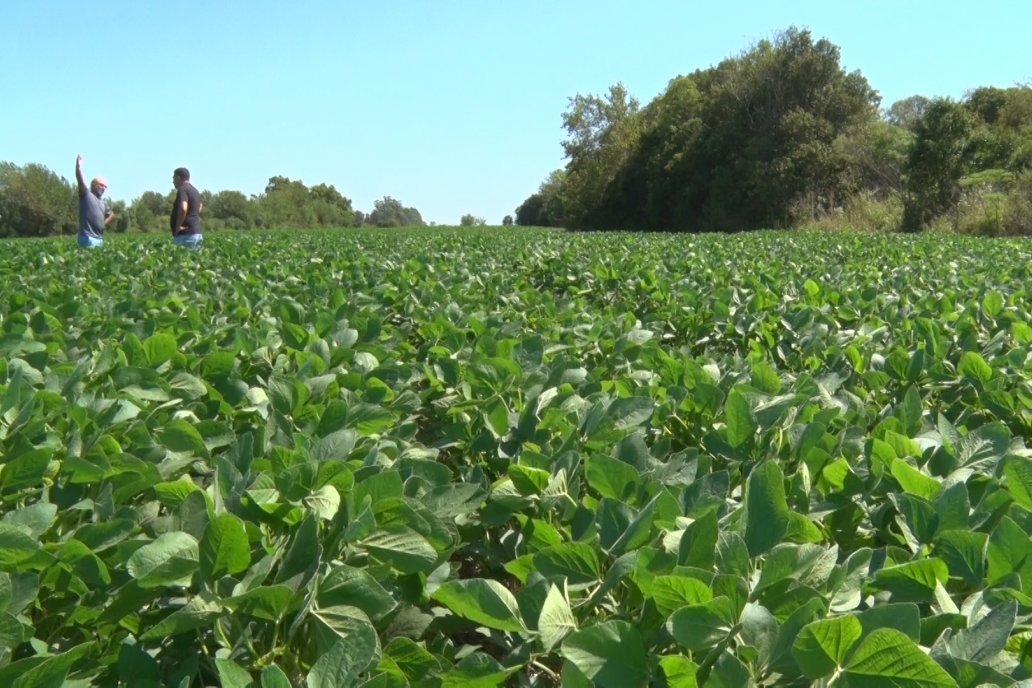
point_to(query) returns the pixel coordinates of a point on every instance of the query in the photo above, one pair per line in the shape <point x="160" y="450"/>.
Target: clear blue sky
<point x="450" y="107"/>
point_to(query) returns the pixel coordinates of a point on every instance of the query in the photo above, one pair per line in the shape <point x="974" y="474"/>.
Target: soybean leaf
<point x="887" y="657"/>
<point x="483" y="601"/>
<point x="611" y="654"/>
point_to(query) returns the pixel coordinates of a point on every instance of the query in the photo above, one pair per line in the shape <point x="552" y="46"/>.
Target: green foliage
<point x="389" y="212"/>
<point x="749" y="143"/>
<point x="35" y="201"/>
<point x="150" y="211"/>
<point x="939" y="157"/>
<point x="470" y="220"/>
<point x="525" y="458"/>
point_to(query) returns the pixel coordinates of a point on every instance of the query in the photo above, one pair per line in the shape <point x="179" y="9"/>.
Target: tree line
<point x="778" y="136"/>
<point x="783" y="136"/>
<point x="35" y="201"/>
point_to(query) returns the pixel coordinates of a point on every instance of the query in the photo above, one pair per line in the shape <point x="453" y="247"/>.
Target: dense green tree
<point x="877" y="151"/>
<point x="938" y="158"/>
<point x="529" y="213"/>
<point x="653" y="188"/>
<point x="285" y="205"/>
<point x="602" y="133"/>
<point x="507" y="221"/>
<point x="471" y="220"/>
<point x="149" y="212"/>
<point x="34" y="201"/>
<point x="752" y="142"/>
<point x="230" y="210"/>
<point x="331" y="208"/>
<point x="772" y="118"/>
<point x="389" y="212"/>
<point x="906" y="112"/>
<point x="123" y="218"/>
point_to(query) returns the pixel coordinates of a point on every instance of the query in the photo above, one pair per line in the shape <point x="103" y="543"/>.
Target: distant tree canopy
<point x="778" y="136"/>
<point x="35" y="202"/>
<point x="389" y="212"/>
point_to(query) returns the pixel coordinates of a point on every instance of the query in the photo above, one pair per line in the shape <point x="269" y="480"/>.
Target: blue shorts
<point x="87" y="241"/>
<point x="188" y="240"/>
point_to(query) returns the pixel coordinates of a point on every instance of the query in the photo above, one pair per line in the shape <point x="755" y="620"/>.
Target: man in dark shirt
<point x="185" y="220"/>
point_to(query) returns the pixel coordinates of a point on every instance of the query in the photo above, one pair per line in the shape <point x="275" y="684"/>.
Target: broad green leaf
<point x="1018" y="472"/>
<point x="728" y="672"/>
<point x="335" y="446"/>
<point x="137" y="667"/>
<point x="630" y="412"/>
<point x="577" y="561"/>
<point x="905" y="617"/>
<point x="160" y="347"/>
<point x="187" y="386"/>
<point x="368" y="419"/>
<point x="26" y="470"/>
<point x="302" y="555"/>
<point x="679" y="671"/>
<point x="402" y="547"/>
<point x="12" y="632"/>
<point x="273" y="677"/>
<point x="36" y="518"/>
<point x="963" y="551"/>
<point x="699" y="542"/>
<point x="701" y="626"/>
<point x="1009" y="551"/>
<point x="224" y="548"/>
<point x="741" y="426"/>
<point x="823" y="646"/>
<point x="673" y="592"/>
<point x="171" y="559"/>
<point x="232" y="675"/>
<point x="556" y="619"/>
<point x="269" y="602"/>
<point x="195" y="614"/>
<point x="611" y="654"/>
<point x="528" y="480"/>
<point x="483" y="601"/>
<point x="348" y="623"/>
<point x="914" y="581"/>
<point x="974" y="367"/>
<point x="611" y="477"/>
<point x="340" y="666"/>
<point x="988" y="637"/>
<point x="639" y="531"/>
<point x="766" y="515"/>
<point x="476" y="670"/>
<point x="324" y="502"/>
<point x="172" y="493"/>
<point x="887" y="657"/>
<point x="807" y="564"/>
<point x="181" y="436"/>
<point x="345" y="585"/>
<point x="52" y="671"/>
<point x="914" y="481"/>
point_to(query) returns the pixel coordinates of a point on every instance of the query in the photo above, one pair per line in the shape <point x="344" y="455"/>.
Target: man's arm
<point x="78" y="173"/>
<point x="180" y="214"/>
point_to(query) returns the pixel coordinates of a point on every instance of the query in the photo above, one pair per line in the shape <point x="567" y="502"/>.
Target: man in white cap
<point x="94" y="214"/>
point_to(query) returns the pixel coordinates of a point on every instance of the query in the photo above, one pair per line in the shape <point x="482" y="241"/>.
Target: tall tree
<point x="938" y="158"/>
<point x="602" y="133"/>
<point x="389" y="212"/>
<point x="149" y="211"/>
<point x="34" y="201"/>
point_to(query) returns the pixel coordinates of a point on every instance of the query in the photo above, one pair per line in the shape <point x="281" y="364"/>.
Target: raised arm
<point x="78" y="174"/>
